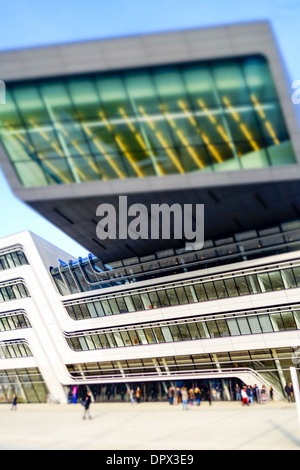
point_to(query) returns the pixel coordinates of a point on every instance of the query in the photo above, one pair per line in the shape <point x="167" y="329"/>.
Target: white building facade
<point x="189" y="117"/>
<point x="51" y="343"/>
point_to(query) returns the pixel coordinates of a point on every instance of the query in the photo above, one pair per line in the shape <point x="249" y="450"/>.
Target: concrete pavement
<point x="151" y="426"/>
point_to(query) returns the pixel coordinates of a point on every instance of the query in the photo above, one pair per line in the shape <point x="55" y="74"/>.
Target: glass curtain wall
<point x="28" y="384"/>
<point x="267" y="362"/>
<point x="188" y="329"/>
<point x="154" y="121"/>
<point x="12" y="260"/>
<point x="254" y="283"/>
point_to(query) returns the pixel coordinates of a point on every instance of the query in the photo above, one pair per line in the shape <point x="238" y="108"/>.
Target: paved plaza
<point x="151" y="426"/>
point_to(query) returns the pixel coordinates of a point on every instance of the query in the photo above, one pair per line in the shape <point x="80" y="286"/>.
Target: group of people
<point x="248" y="394"/>
<point x="135" y="396"/>
<point x="184" y="395"/>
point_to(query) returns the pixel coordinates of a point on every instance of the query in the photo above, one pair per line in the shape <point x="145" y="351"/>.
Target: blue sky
<point x="26" y="23"/>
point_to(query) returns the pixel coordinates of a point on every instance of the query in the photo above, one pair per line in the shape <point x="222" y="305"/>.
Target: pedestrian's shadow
<point x="285" y="433"/>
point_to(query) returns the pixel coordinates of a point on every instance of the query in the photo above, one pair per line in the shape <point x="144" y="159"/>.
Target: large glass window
<point x="229" y="287"/>
<point x="214" y="115"/>
<point x="12" y="260"/>
<point x="16" y="291"/>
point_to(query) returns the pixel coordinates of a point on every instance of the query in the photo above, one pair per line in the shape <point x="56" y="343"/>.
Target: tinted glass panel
<point x="214" y="115"/>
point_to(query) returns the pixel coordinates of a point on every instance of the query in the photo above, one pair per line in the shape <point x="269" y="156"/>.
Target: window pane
<point x="134" y="337"/>
<point x="254" y="325"/>
<point x="265" y="283"/>
<point x="200" y="291"/>
<point x="154" y="299"/>
<point x="99" y="309"/>
<point x="92" y="310"/>
<point x="242" y="285"/>
<point x="164" y="300"/>
<point x="233" y="327"/>
<point x="118" y="339"/>
<point x="83" y="344"/>
<point x="146" y="336"/>
<point x="89" y="342"/>
<point x="106" y="307"/>
<point x="181" y="295"/>
<point x="97" y="342"/>
<point x="265" y="323"/>
<point x="172" y="296"/>
<point x="175" y="333"/>
<point x="277" y="322"/>
<point x="296" y="272"/>
<point x="104" y="341"/>
<point x="289" y="321"/>
<point x="158" y="335"/>
<point x="111" y="340"/>
<point x="213" y="329"/>
<point x="129" y="304"/>
<point x="221" y="289"/>
<point x="243" y="325"/>
<point x="288" y="278"/>
<point x="223" y="328"/>
<point x="194" y="331"/>
<point x="126" y="338"/>
<point x="253" y="284"/>
<point x="137" y="302"/>
<point x="191" y="294"/>
<point x="184" y="332"/>
<point x="276" y="280"/>
<point x="166" y="334"/>
<point x="114" y="306"/>
<point x="204" y="333"/>
<point x="231" y="287"/>
<point x="210" y="291"/>
<point x="146" y="301"/>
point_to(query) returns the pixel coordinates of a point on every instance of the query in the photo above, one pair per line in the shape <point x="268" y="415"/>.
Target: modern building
<point x="190" y="117"/>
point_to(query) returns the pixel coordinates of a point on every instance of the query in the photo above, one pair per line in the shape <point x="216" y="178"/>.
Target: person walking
<point x="250" y="394"/>
<point x="287" y="390"/>
<point x="192" y="396"/>
<point x="238" y="393"/>
<point x="184" y="398"/>
<point x="292" y="391"/>
<point x="208" y="396"/>
<point x="255" y="391"/>
<point x="197" y="396"/>
<point x="87" y="403"/>
<point x="138" y="395"/>
<point x="271" y="392"/>
<point x="244" y="396"/>
<point x="171" y="395"/>
<point x="14" y="403"/>
<point x="132" y="397"/>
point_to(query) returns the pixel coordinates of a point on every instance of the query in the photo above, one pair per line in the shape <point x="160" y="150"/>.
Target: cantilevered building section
<point x="181" y="117"/>
<point x="190" y="117"/>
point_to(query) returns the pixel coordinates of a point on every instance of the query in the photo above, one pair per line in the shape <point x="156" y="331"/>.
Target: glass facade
<point x="28" y="384"/>
<point x="154" y="121"/>
<point x="233" y="324"/>
<point x="89" y="274"/>
<point x="14" y="259"/>
<point x="13" y="349"/>
<point x="13" y="321"/>
<point x="220" y="286"/>
<point x="264" y="361"/>
<point x="13" y="291"/>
